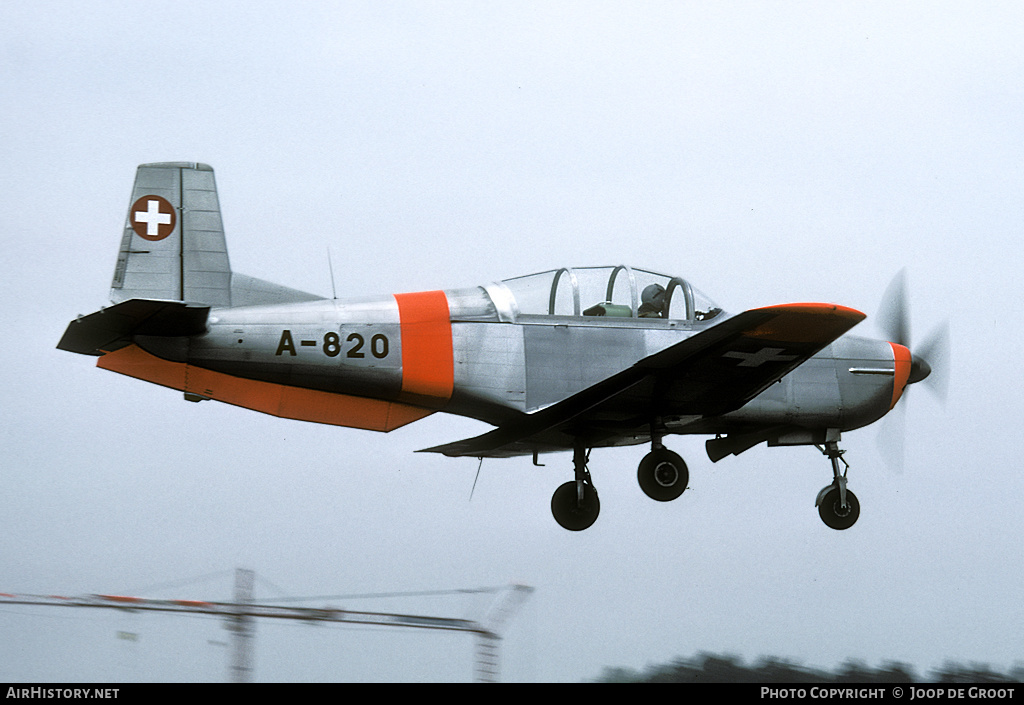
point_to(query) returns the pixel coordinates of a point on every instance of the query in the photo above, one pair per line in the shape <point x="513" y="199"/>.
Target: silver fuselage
<point x="505" y="364"/>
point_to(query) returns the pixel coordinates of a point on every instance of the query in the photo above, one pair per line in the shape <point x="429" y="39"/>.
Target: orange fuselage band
<point x="428" y="367"/>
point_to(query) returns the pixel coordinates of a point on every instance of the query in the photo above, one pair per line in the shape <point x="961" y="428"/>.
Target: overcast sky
<point x="768" y="152"/>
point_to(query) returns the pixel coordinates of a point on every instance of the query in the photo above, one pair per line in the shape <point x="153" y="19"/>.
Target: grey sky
<point x="768" y="152"/>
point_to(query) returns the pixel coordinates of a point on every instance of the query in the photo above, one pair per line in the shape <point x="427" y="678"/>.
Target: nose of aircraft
<point x="917" y="366"/>
<point x="919" y="369"/>
<point x="910" y="368"/>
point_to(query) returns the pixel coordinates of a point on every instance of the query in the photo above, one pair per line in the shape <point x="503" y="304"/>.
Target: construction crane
<point x="241" y="615"/>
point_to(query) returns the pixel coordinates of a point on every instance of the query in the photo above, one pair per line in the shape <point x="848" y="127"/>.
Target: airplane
<point x="569" y="359"/>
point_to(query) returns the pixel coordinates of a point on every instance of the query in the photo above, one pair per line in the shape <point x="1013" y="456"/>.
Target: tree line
<point x="716" y="668"/>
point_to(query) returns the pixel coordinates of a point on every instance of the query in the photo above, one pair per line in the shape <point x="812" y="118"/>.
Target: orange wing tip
<point x="807" y="322"/>
<point x="817" y="308"/>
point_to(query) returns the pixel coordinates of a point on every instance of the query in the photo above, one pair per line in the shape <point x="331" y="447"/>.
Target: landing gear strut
<point x="575" y="505"/>
<point x="837" y="506"/>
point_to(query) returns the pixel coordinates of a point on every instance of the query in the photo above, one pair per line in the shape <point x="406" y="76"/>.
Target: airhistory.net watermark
<point x="62" y="693"/>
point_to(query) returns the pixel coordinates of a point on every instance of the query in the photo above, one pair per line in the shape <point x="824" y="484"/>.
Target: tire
<point x="569" y="513"/>
<point x="663" y="475"/>
<point x="833" y="514"/>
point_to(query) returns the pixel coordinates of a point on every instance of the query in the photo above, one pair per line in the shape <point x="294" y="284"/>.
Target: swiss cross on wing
<point x="756" y="359"/>
<point x="152" y="218"/>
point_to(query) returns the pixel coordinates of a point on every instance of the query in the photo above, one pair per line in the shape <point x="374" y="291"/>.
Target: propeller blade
<point x="893" y="316"/>
<point x="935" y="349"/>
<point x="891" y="434"/>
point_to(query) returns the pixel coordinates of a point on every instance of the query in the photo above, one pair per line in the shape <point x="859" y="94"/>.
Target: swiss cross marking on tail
<point x="760" y="357"/>
<point x="152" y="217"/>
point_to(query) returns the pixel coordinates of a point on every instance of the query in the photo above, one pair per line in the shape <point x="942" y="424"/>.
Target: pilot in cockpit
<point x="652" y="302"/>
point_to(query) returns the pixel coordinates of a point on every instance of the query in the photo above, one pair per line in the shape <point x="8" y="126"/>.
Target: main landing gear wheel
<point x="834" y="514"/>
<point x="663" y="475"/>
<point x="575" y="504"/>
<point x="570" y="512"/>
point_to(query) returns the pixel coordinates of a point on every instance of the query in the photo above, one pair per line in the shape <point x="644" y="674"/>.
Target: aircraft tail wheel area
<point x="663" y="475"/>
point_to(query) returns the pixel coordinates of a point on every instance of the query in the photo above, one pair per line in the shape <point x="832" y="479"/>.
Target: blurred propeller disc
<point x="931" y="362"/>
<point x="893" y="316"/>
<point x="935" y="349"/>
<point x="890" y="437"/>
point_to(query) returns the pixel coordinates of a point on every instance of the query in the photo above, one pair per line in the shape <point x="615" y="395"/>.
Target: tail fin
<point x="173" y="246"/>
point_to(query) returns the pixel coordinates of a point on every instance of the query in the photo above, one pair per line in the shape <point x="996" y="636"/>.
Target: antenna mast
<point x="330" y="266"/>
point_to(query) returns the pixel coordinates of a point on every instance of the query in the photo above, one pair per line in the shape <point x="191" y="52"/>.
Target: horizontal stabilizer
<point x="112" y="328"/>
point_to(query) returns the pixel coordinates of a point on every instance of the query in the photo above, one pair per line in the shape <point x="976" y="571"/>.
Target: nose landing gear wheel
<point x="834" y="514"/>
<point x="663" y="475"/>
<point x="570" y="512"/>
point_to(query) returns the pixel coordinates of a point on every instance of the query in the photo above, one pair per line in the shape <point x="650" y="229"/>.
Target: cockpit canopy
<point x="618" y="291"/>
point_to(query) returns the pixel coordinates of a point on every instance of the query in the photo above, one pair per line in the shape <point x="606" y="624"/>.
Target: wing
<point x="709" y="374"/>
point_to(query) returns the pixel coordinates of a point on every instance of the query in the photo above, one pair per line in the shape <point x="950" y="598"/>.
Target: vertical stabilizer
<point x="173" y="247"/>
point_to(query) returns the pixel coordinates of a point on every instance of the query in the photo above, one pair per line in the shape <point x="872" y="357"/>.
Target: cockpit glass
<point x="621" y="292"/>
<point x="532" y="292"/>
<point x="704" y="307"/>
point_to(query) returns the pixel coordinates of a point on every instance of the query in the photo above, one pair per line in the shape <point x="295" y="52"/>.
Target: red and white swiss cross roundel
<point x="152" y="217"/>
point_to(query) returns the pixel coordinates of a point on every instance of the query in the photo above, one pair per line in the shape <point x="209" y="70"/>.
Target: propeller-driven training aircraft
<point x="568" y="359"/>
